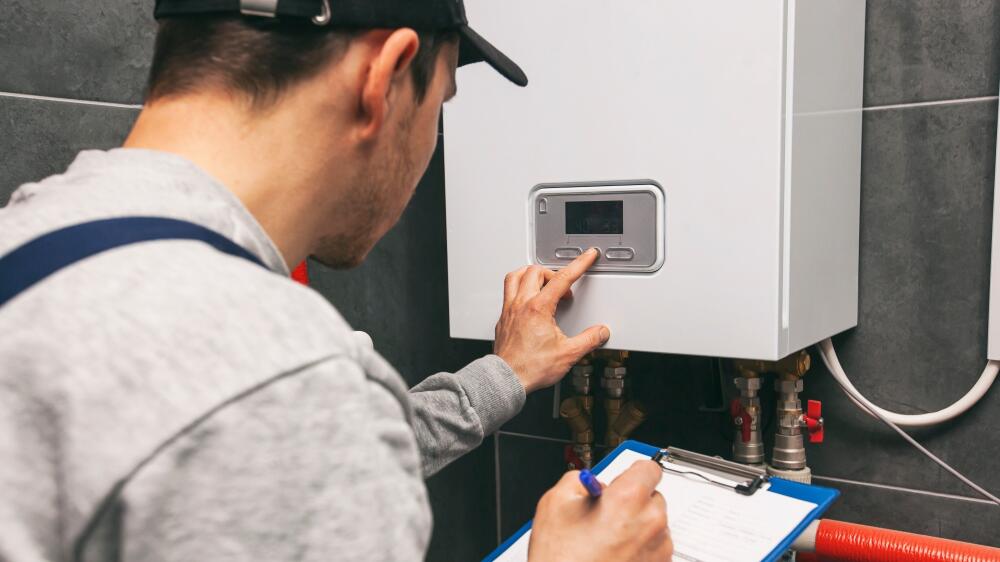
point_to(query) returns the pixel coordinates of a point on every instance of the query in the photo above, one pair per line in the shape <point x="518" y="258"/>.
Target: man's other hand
<point x="527" y="336"/>
<point x="627" y="523"/>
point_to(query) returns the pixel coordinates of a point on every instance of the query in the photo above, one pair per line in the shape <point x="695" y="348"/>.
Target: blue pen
<point x="590" y="482"/>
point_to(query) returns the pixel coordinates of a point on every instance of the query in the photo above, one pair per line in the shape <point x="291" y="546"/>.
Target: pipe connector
<point x="632" y="415"/>
<point x="748" y="446"/>
<point x="795" y="365"/>
<point x="578" y="418"/>
<point x="612" y="409"/>
<point x="585" y="453"/>
<point x="613" y="381"/>
<point x="612" y="356"/>
<point x="582" y="375"/>
<point x="749" y="385"/>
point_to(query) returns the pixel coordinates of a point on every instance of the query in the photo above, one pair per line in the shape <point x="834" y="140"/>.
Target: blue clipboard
<point x="822" y="497"/>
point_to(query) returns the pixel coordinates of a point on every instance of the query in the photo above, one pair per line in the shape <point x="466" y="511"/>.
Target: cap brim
<point x="473" y="48"/>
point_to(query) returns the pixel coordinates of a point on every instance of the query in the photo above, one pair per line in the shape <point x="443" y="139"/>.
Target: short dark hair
<point x="259" y="61"/>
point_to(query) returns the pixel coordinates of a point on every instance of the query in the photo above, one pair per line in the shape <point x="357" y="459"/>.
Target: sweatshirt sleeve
<point x="453" y="412"/>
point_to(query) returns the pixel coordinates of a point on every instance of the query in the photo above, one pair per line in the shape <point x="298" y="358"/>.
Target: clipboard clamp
<point x="747" y="478"/>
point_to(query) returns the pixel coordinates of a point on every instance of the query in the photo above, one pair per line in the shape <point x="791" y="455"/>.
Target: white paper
<point x="708" y="523"/>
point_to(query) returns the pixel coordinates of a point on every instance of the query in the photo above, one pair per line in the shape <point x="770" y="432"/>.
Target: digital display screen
<point x="595" y="217"/>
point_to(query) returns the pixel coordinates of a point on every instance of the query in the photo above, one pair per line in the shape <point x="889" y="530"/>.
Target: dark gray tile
<point x="925" y="254"/>
<point x="679" y="392"/>
<point x="917" y="513"/>
<point x="921" y="340"/>
<point x="94" y="50"/>
<point x="687" y="405"/>
<point x="920" y="344"/>
<point x="536" y="417"/>
<point x="464" y="505"/>
<point x="916" y="50"/>
<point x="528" y="467"/>
<point x="400" y="297"/>
<point x="40" y="138"/>
<point x="922" y="50"/>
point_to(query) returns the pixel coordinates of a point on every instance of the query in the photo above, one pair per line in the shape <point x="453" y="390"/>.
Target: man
<point x="164" y="397"/>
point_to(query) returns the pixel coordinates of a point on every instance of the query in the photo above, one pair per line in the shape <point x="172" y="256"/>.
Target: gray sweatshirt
<point x="165" y="401"/>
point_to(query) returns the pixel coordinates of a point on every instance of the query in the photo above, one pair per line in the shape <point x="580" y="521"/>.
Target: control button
<point x="543" y="206"/>
<point x="568" y="253"/>
<point x="620" y="254"/>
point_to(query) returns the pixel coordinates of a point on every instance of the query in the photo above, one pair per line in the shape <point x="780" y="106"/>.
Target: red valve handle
<point x="738" y="412"/>
<point x="572" y="459"/>
<point x="301" y="273"/>
<point x="814" y="421"/>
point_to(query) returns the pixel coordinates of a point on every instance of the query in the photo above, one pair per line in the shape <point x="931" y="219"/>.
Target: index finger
<point x="562" y="281"/>
<point x="570" y="485"/>
<point x="640" y="479"/>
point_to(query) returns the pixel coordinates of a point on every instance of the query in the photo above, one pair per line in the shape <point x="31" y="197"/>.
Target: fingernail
<point x="594" y="251"/>
<point x="605" y="334"/>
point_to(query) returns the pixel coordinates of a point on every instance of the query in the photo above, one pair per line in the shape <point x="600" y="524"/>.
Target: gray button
<point x="568" y="253"/>
<point x="543" y="206"/>
<point x="620" y="254"/>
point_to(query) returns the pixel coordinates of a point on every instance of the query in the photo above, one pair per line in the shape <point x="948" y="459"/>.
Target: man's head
<point x="323" y="131"/>
<point x="364" y="105"/>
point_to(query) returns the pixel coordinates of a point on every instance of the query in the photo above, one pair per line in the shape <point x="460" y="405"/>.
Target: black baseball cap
<point x="422" y="15"/>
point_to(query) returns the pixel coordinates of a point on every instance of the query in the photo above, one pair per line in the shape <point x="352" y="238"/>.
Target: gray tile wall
<point x="927" y="195"/>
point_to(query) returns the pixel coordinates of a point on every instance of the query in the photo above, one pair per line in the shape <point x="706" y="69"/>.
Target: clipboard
<point x="741" y="480"/>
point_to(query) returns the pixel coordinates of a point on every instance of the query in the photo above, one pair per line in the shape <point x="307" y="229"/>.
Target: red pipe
<point x="837" y="541"/>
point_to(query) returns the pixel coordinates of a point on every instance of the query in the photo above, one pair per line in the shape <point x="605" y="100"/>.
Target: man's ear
<point x="387" y="69"/>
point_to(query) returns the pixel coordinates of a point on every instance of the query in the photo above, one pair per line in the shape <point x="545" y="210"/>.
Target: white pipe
<point x="829" y="357"/>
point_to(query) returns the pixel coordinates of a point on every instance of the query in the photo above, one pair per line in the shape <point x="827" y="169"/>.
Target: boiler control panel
<point x="624" y="220"/>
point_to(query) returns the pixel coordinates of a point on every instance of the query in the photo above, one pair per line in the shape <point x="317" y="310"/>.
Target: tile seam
<point x="903" y="489"/>
<point x="930" y="103"/>
<point x="70" y="100"/>
<point x="538" y="437"/>
<point x="496" y="487"/>
<point x="956" y="101"/>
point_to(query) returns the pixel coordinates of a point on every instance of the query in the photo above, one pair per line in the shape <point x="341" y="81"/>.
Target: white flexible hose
<point x="978" y="390"/>
<point x="829" y="357"/>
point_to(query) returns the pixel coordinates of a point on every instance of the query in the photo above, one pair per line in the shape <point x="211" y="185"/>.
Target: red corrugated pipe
<point x="837" y="541"/>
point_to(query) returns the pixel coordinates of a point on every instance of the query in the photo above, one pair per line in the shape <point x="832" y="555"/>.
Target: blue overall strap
<point x="49" y="253"/>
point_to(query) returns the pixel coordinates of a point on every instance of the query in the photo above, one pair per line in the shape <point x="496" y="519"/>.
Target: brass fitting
<point x="631" y="416"/>
<point x="613" y="358"/>
<point x="582" y="376"/>
<point x="612" y="408"/>
<point x="795" y="365"/>
<point x="577" y="416"/>
<point x="585" y="454"/>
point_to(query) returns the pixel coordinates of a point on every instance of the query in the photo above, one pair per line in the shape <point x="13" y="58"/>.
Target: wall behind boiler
<point x="71" y="76"/>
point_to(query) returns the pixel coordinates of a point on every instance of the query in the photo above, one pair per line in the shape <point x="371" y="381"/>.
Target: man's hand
<point x="527" y="336"/>
<point x="628" y="522"/>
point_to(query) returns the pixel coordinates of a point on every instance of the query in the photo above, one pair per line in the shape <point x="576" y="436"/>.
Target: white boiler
<point x="710" y="148"/>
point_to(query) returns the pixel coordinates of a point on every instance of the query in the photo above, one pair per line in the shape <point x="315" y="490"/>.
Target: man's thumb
<point x="590" y="339"/>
